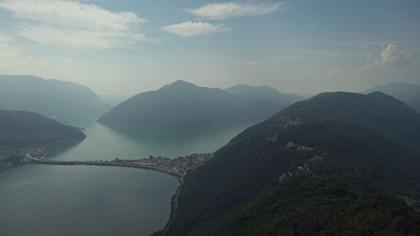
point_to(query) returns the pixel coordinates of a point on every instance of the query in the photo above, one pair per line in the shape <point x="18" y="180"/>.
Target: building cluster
<point x="179" y="166"/>
<point x="297" y="147"/>
<point x="38" y="153"/>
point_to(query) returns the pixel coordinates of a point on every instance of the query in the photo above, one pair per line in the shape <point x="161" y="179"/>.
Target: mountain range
<point x="185" y="105"/>
<point x="336" y="164"/>
<point x="63" y="101"/>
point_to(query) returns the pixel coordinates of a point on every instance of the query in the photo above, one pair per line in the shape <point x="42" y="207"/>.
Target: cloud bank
<point x="74" y="24"/>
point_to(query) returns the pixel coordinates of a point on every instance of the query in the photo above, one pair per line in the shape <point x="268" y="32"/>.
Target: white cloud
<point x="190" y="28"/>
<point x="393" y="55"/>
<point x="390" y="55"/>
<point x="217" y="11"/>
<point x="75" y="38"/>
<point x="85" y="25"/>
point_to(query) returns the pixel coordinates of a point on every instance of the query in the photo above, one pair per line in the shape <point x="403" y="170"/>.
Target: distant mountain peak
<point x="176" y="105"/>
<point x="406" y="92"/>
<point x="380" y="94"/>
<point x="180" y="84"/>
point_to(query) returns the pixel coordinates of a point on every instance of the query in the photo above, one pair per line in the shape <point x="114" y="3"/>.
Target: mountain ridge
<point x="185" y="105"/>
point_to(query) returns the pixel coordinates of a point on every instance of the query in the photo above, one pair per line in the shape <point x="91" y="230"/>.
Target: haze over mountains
<point x="66" y="102"/>
<point x="292" y="118"/>
<point x="185" y="105"/>
<point x="338" y="163"/>
<point x="263" y="93"/>
<point x="408" y="93"/>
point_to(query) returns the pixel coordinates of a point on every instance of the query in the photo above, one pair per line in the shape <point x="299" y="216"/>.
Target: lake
<point x="88" y="201"/>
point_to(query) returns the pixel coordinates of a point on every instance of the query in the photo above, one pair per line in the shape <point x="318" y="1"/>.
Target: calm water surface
<point x="80" y="200"/>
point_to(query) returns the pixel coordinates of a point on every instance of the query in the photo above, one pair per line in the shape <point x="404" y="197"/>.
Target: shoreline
<point x="174" y="208"/>
<point x="178" y="168"/>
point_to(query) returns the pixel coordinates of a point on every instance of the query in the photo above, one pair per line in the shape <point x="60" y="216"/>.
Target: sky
<point x="297" y="46"/>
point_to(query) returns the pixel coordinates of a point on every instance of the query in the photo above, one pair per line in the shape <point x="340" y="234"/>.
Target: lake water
<point x="88" y="201"/>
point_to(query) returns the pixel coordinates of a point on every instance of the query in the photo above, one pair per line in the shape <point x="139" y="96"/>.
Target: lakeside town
<point x="178" y="167"/>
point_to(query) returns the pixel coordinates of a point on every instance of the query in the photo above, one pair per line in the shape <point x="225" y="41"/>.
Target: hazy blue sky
<point x="128" y="46"/>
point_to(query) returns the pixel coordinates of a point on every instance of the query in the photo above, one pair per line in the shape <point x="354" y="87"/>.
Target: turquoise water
<point x="90" y="201"/>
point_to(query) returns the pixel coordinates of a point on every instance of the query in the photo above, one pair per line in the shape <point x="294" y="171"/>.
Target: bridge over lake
<point x="177" y="167"/>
